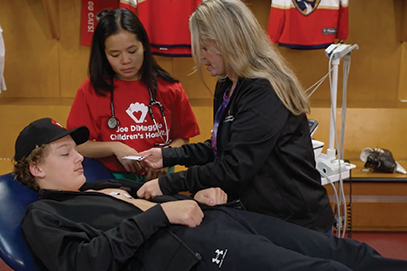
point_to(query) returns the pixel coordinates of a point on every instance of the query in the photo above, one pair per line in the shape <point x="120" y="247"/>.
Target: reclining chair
<point x="14" y="198"/>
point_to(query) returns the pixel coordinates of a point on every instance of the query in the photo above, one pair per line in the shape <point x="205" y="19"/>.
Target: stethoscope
<point x="112" y="122"/>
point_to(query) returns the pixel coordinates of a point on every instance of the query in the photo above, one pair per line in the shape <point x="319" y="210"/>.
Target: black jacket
<point x="265" y="157"/>
<point x="87" y="231"/>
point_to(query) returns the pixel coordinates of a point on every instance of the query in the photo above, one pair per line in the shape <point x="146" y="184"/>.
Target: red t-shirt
<point x="136" y="127"/>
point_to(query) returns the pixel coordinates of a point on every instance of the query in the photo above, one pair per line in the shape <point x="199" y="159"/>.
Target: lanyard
<point x="216" y="121"/>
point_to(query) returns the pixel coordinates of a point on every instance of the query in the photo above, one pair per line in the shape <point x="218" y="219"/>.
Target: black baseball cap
<point x="44" y="131"/>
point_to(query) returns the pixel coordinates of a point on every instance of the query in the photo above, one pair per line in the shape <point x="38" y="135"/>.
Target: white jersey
<point x="2" y="56"/>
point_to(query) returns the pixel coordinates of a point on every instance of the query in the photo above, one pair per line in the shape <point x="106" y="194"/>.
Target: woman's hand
<point x="120" y="150"/>
<point x="149" y="190"/>
<point x="153" y="173"/>
<point x="152" y="158"/>
<point x="211" y="196"/>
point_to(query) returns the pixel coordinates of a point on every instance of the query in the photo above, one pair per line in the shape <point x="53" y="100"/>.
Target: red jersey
<point x="92" y="11"/>
<point x="166" y="23"/>
<point x="136" y="127"/>
<point x="308" y="24"/>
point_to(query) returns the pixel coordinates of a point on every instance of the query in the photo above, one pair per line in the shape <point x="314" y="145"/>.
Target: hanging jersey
<point x="129" y="4"/>
<point x="2" y="56"/>
<point x="308" y="24"/>
<point x="136" y="127"/>
<point x="91" y="13"/>
<point x="166" y="23"/>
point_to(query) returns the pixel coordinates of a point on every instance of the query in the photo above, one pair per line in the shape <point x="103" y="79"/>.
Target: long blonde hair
<point x="245" y="48"/>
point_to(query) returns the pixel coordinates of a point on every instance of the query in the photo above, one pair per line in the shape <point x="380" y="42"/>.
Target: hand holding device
<point x="152" y="158"/>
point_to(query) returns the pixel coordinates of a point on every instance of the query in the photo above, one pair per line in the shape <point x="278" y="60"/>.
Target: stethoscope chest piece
<point x="112" y="123"/>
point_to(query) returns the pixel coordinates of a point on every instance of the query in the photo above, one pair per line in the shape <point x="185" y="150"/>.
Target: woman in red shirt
<point x="128" y="102"/>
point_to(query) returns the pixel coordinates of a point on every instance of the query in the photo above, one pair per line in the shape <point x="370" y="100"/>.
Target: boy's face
<point x="61" y="168"/>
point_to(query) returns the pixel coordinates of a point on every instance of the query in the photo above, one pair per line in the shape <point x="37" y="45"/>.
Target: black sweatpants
<point x="231" y="239"/>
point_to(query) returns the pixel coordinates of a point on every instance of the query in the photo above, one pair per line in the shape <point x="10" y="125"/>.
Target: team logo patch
<point x="229" y="118"/>
<point x="306" y="7"/>
<point x="56" y="123"/>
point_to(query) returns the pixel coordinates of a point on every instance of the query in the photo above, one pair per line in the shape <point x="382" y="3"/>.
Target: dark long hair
<point x="101" y="73"/>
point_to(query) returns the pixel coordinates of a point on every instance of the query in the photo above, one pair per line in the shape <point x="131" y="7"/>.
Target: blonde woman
<point x="260" y="151"/>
